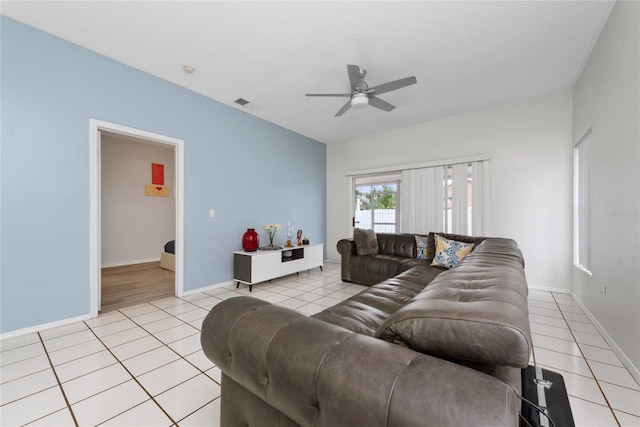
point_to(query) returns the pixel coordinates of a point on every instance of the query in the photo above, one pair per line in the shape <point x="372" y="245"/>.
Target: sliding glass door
<point x="377" y="202"/>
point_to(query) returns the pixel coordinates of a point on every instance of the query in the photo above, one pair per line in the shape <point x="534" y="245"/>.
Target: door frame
<point x="95" y="234"/>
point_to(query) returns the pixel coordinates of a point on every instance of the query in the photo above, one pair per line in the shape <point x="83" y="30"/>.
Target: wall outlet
<point x="212" y="213"/>
<point x="603" y="291"/>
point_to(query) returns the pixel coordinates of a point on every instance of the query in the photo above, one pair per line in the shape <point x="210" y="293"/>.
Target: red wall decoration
<point x="157" y="174"/>
<point x="156" y="188"/>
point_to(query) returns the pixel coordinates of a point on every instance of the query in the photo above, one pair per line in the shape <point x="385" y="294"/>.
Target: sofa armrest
<point x="346" y="249"/>
<point x="320" y="374"/>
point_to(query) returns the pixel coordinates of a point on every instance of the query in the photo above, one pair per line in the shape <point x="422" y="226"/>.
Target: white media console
<point x="259" y="266"/>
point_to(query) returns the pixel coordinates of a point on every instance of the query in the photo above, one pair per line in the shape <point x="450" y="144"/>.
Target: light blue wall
<point x="252" y="172"/>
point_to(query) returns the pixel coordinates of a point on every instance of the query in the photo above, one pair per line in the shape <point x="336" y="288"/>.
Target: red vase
<point x="250" y="240"/>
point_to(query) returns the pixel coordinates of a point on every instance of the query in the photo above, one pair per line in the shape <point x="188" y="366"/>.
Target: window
<point x="376" y="199"/>
<point x="582" y="203"/>
<point x="442" y="196"/>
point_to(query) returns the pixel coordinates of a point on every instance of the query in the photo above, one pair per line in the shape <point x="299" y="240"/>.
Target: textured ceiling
<point x="465" y="55"/>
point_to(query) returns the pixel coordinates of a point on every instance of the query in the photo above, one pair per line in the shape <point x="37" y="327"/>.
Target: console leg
<point x="320" y="268"/>
<point x="250" y="288"/>
<point x="237" y="285"/>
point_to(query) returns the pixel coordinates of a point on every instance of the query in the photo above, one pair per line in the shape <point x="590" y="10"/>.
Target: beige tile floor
<point x="143" y="365"/>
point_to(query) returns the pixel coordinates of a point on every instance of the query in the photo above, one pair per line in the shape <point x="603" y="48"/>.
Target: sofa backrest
<point x="397" y="244"/>
<point x="474" y="312"/>
<point x="404" y="244"/>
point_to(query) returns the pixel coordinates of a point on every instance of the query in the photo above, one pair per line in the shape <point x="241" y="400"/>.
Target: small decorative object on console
<point x="271" y="230"/>
<point x="305" y="241"/>
<point x="288" y="231"/>
<point x="299" y="237"/>
<point x="250" y="240"/>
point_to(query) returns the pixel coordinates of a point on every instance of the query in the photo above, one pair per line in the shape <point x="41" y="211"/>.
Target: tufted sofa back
<point x="397" y="244"/>
<point x="404" y="244"/>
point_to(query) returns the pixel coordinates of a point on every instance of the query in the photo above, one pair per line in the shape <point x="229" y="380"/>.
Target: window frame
<point x="582" y="173"/>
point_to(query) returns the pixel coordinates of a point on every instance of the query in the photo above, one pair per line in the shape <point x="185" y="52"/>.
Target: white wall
<point x="607" y="98"/>
<point x="530" y="176"/>
<point x="135" y="227"/>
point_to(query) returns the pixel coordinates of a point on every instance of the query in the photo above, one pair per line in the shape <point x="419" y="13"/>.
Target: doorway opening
<point x="136" y="278"/>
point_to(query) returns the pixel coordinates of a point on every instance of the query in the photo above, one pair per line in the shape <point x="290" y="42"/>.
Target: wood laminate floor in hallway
<point x="129" y="285"/>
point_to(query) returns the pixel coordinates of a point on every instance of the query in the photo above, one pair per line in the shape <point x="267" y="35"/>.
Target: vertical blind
<point x="449" y="197"/>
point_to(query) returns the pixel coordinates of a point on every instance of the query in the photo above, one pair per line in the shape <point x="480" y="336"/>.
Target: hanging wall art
<point x="157" y="187"/>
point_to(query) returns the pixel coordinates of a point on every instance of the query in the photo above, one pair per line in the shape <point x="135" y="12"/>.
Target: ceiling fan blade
<point x="379" y="103"/>
<point x="344" y="109"/>
<point x="396" y="84"/>
<point x="327" y="94"/>
<point x="355" y="75"/>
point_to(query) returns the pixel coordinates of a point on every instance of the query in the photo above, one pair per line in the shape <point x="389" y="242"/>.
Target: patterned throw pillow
<point x="450" y="252"/>
<point x="421" y="247"/>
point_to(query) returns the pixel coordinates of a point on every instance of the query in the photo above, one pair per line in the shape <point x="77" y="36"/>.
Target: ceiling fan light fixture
<point x="361" y="95"/>
<point x="359" y="100"/>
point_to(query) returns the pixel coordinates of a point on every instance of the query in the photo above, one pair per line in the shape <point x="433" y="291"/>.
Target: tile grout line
<point x="580" y="345"/>
<point x="191" y="413"/>
<point x="86" y="324"/>
<point x="201" y="372"/>
<point x="55" y="374"/>
<point x="194" y="324"/>
<point x="583" y="357"/>
<point x="181" y="356"/>
<point x="167" y="345"/>
<point x="604" y="395"/>
<point x="133" y="377"/>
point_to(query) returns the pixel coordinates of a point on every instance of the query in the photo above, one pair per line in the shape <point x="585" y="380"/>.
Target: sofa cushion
<point x="420" y="273"/>
<point x="369" y="270"/>
<point x="474" y="312"/>
<point x="366" y="241"/>
<point x="366" y="311"/>
<point x="450" y="252"/>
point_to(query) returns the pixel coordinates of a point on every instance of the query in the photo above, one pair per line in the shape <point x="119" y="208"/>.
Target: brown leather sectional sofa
<point x="424" y="347"/>
<point x="396" y="253"/>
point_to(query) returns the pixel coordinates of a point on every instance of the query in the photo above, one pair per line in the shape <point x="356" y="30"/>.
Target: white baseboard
<point x="208" y="288"/>
<point x="132" y="262"/>
<point x="633" y="370"/>
<point x="45" y="326"/>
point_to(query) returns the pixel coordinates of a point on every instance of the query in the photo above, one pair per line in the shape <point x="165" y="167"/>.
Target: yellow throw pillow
<point x="450" y="252"/>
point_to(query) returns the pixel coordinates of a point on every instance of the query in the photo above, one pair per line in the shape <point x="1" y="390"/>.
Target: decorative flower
<point x="271" y="230"/>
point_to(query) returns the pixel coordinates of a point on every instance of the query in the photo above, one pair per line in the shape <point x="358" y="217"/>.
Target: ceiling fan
<point x="362" y="95"/>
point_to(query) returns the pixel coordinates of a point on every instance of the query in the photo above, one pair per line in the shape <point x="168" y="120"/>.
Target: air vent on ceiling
<point x="241" y="101"/>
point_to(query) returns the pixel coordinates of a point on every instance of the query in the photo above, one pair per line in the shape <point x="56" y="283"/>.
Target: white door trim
<point x="95" y="126"/>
